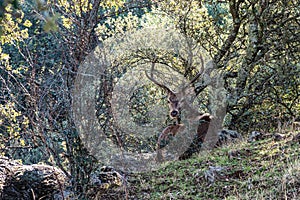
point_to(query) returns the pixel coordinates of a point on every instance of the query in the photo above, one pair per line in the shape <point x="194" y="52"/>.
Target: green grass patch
<point x="264" y="169"/>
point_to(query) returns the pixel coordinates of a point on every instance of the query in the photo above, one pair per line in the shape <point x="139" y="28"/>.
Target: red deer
<point x="178" y="101"/>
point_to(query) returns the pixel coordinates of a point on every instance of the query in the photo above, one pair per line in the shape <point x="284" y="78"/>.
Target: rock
<point x="297" y="137"/>
<point x="107" y="183"/>
<point x="254" y="136"/>
<point x="214" y="173"/>
<point x="278" y="137"/>
<point x="21" y="182"/>
<point x="234" y="154"/>
<point x="37" y="181"/>
<point x="107" y="177"/>
<point x="227" y="136"/>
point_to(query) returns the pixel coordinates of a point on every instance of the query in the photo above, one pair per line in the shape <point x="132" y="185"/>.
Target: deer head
<point x="176" y="100"/>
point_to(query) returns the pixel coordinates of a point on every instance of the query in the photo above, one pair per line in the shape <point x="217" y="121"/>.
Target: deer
<point x="177" y="101"/>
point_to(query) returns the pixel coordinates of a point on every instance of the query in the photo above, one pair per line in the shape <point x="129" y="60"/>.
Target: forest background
<point x="255" y="44"/>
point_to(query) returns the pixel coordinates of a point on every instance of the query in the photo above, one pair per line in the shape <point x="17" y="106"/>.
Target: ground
<point x="267" y="167"/>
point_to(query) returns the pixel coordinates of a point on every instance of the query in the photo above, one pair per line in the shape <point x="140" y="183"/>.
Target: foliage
<point x="40" y="52"/>
<point x="241" y="37"/>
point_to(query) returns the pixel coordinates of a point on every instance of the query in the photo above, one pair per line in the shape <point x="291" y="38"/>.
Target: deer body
<point x="177" y="102"/>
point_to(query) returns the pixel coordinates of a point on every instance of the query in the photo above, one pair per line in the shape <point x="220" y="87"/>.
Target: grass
<point x="264" y="169"/>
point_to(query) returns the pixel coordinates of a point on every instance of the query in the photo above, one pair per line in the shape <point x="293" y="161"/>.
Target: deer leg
<point x="169" y="130"/>
<point x="202" y="129"/>
<point x="163" y="136"/>
<point x="204" y="121"/>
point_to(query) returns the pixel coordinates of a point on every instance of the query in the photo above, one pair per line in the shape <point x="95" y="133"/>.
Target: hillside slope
<point x="265" y="168"/>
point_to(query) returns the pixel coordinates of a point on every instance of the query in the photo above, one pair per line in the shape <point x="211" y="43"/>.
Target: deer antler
<point x="168" y="89"/>
<point x="198" y="74"/>
<point x="156" y="82"/>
